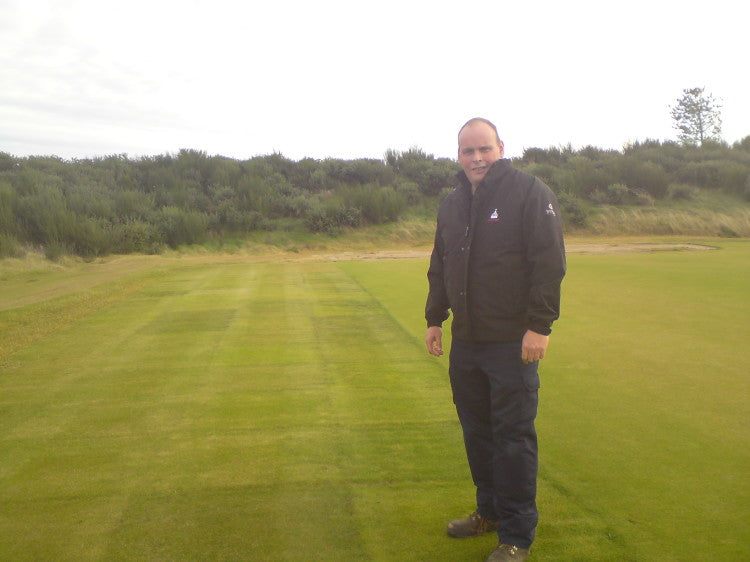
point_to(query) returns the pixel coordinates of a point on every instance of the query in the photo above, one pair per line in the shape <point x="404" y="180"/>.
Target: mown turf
<point x="643" y="420"/>
<point x="246" y="411"/>
<point x="283" y="411"/>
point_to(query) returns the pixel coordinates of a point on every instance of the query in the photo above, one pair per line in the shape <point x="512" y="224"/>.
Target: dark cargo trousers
<point x="496" y="397"/>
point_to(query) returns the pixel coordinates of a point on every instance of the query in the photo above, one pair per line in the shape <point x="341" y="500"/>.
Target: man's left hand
<point x="533" y="346"/>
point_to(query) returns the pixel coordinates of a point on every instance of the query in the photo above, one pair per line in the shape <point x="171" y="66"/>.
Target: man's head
<point x="479" y="146"/>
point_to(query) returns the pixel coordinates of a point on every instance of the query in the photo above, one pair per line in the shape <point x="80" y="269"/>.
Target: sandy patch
<point x="570" y="249"/>
<point x="632" y="247"/>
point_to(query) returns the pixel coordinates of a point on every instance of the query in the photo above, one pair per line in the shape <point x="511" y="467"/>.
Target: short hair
<point x="474" y="120"/>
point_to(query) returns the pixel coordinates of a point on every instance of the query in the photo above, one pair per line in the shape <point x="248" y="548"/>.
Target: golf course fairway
<point x="223" y="407"/>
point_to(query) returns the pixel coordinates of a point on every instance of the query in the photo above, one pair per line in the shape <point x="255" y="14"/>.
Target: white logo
<point x="494" y="216"/>
<point x="549" y="210"/>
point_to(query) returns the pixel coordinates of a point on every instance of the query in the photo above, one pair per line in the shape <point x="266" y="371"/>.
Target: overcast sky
<point x="345" y="79"/>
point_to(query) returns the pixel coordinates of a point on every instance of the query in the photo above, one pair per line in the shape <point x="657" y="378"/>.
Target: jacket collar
<point x="496" y="171"/>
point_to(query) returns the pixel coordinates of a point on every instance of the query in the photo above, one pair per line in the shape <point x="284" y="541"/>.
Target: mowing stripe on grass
<point x="222" y="400"/>
<point x="272" y="411"/>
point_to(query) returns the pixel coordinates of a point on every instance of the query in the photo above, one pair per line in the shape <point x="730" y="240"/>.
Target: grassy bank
<point x="710" y="215"/>
<point x="615" y="221"/>
<point x="706" y="214"/>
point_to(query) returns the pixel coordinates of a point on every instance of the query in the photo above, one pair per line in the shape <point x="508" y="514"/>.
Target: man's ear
<point x="502" y="149"/>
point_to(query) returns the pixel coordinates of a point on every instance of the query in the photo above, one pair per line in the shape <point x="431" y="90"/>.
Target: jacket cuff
<point x="542" y="329"/>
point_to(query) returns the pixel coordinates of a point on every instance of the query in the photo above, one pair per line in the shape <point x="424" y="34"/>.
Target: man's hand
<point x="434" y="340"/>
<point x="533" y="346"/>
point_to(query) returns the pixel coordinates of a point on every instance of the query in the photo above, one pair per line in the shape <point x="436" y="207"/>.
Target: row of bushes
<point x="650" y="166"/>
<point x="114" y="204"/>
<point x="640" y="175"/>
<point x="117" y="204"/>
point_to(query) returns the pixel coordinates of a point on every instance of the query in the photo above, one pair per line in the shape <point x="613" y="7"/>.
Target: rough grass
<point x="612" y="221"/>
<point x="225" y="407"/>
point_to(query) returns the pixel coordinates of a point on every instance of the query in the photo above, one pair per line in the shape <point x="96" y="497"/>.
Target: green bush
<point x="409" y="190"/>
<point x="430" y="174"/>
<point x="573" y="210"/>
<point x="732" y="177"/>
<point x="376" y="205"/>
<point x="681" y="191"/>
<point x="544" y="171"/>
<point x="8" y="209"/>
<point x="706" y="174"/>
<point x="649" y="176"/>
<point x="115" y="203"/>
<point x="9" y="246"/>
<point x="641" y="197"/>
<point x="182" y="227"/>
<point x="332" y="217"/>
<point x="615" y="194"/>
<point x="136" y="236"/>
<point x="53" y="251"/>
<point x="90" y="237"/>
<point x="552" y="155"/>
<point x="618" y="194"/>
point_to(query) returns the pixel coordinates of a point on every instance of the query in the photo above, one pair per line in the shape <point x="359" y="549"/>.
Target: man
<point x="497" y="264"/>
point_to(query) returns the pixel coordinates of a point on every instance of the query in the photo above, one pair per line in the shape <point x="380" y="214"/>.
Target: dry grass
<point x="614" y="221"/>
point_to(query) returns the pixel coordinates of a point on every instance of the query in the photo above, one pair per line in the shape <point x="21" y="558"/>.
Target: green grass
<point x="221" y="407"/>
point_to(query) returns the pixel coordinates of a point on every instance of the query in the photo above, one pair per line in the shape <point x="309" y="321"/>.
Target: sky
<point x="344" y="79"/>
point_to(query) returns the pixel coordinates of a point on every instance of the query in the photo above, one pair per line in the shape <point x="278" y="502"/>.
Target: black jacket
<point x="498" y="259"/>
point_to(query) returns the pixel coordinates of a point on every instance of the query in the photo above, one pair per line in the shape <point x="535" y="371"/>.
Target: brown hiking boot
<point x="471" y="526"/>
<point x="507" y="552"/>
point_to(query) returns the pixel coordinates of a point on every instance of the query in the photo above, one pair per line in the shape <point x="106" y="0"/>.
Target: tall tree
<point x="697" y="116"/>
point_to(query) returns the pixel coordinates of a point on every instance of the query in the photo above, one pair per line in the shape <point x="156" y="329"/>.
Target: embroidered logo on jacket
<point x="494" y="216"/>
<point x="549" y="210"/>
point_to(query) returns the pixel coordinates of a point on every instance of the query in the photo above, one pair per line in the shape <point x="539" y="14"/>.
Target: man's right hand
<point x="434" y="340"/>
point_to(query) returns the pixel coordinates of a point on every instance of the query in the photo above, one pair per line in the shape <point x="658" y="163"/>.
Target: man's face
<point x="478" y="148"/>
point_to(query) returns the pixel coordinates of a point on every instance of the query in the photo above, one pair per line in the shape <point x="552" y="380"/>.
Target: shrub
<point x="331" y="218"/>
<point x="7" y="162"/>
<point x="543" y="171"/>
<point x="8" y="203"/>
<point x="136" y="236"/>
<point x="132" y="204"/>
<point x="614" y="194"/>
<point x="620" y="194"/>
<point x="55" y="250"/>
<point x="587" y="175"/>
<point x="641" y="197"/>
<point x="89" y="237"/>
<point x="552" y="155"/>
<point x="253" y="220"/>
<point x="599" y="196"/>
<point x="732" y="177"/>
<point x="705" y="174"/>
<point x="376" y="205"/>
<point x="573" y="209"/>
<point x="617" y="193"/>
<point x="645" y="175"/>
<point x="182" y="227"/>
<point x="681" y="191"/>
<point x="9" y="246"/>
<point x="409" y="190"/>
